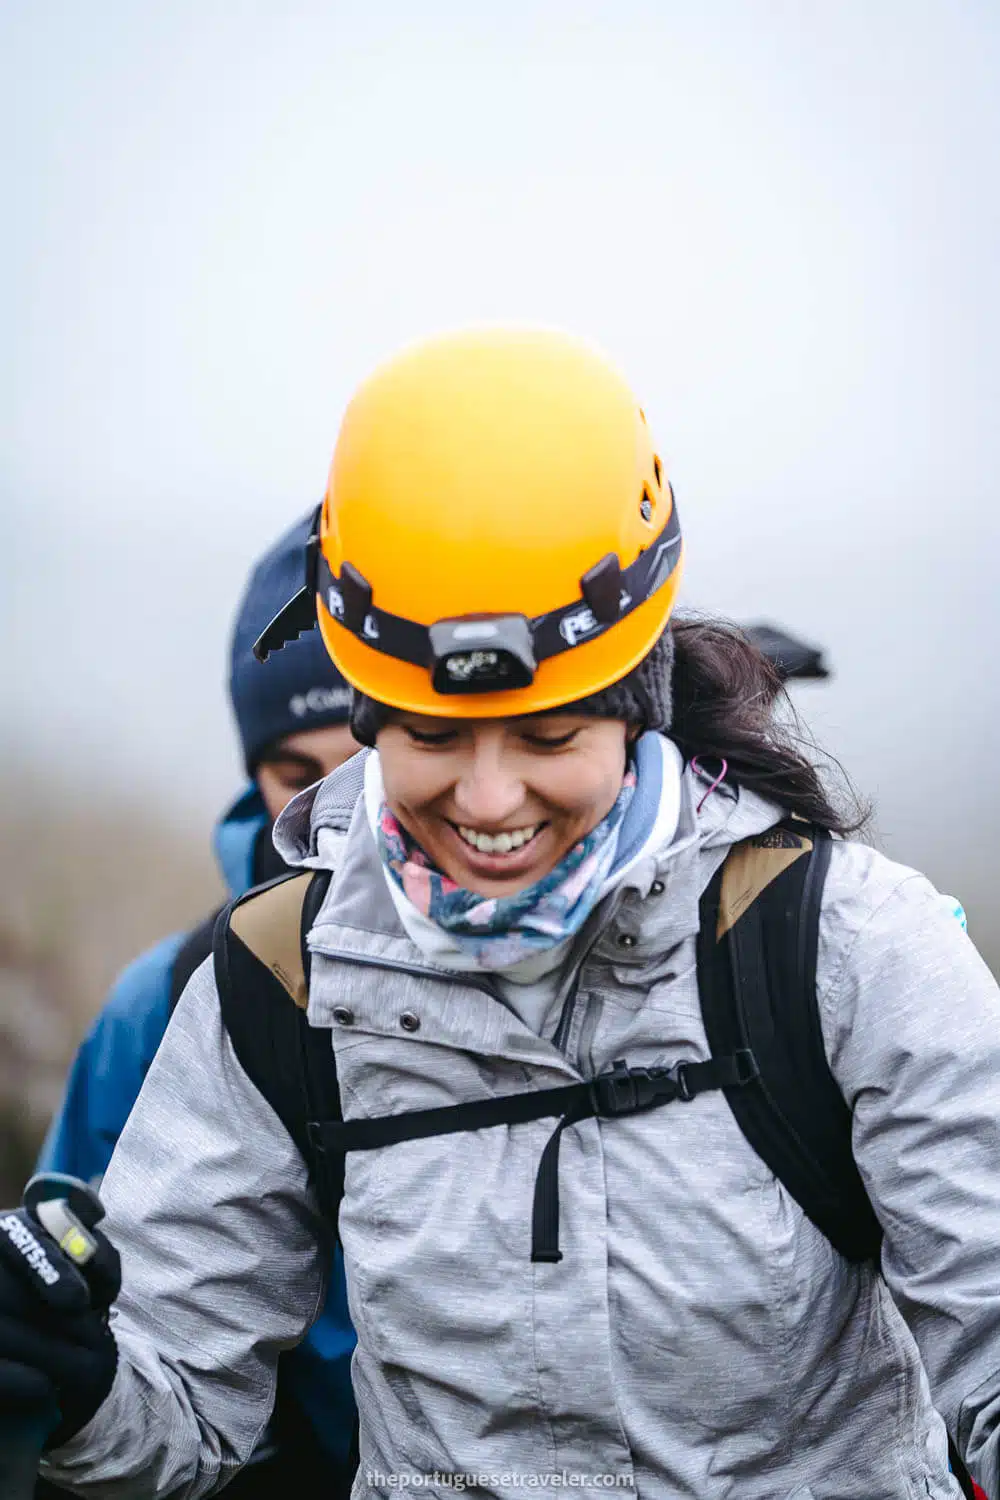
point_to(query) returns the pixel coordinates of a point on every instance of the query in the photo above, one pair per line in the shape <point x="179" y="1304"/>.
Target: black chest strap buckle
<point x="612" y="1095"/>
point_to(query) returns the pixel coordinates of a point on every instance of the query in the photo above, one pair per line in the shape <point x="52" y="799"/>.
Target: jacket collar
<point x="326" y="826"/>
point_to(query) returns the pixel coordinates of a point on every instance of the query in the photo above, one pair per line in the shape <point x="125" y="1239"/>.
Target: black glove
<point x="55" y="1343"/>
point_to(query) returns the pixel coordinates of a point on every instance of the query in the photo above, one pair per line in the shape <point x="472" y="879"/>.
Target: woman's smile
<point x="501" y="855"/>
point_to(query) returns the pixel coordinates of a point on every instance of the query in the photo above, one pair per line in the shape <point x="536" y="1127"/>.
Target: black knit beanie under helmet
<point x="643" y="698"/>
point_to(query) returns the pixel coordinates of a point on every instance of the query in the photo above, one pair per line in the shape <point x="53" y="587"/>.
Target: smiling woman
<point x="630" y="1092"/>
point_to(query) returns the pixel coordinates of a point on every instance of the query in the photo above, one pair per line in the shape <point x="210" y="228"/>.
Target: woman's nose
<point x="489" y="791"/>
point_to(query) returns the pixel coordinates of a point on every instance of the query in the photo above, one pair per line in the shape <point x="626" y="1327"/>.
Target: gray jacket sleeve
<point x="223" y="1267"/>
<point x="911" y="1018"/>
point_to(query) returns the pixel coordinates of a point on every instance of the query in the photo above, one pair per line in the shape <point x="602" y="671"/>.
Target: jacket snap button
<point x="657" y="888"/>
<point x="626" y="940"/>
<point x="409" y="1021"/>
<point x="343" y="1016"/>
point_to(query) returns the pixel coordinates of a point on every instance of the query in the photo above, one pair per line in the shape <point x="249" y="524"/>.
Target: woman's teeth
<point x="498" y="843"/>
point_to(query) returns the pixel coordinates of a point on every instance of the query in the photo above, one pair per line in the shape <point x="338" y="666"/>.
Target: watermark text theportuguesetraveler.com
<point x="502" y="1479"/>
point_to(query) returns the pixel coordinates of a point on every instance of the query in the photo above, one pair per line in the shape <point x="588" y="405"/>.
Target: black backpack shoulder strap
<point x="757" y="943"/>
<point x="192" y="952"/>
<point x="759" y="932"/>
<point x="262" y="976"/>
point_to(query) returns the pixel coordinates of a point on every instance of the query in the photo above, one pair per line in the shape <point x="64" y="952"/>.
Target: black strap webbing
<point x="757" y="946"/>
<point x="289" y="1061"/>
<point x="190" y="955"/>
<point x="320" y="1088"/>
<point x="620" y="1091"/>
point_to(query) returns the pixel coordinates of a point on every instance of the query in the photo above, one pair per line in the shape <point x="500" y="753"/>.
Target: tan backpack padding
<point x="750" y="868"/>
<point x="269" y="923"/>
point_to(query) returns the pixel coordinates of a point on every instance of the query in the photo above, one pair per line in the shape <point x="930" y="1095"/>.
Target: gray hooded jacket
<point x="699" y="1338"/>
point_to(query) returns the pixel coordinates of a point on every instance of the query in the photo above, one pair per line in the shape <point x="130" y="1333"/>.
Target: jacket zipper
<point x="561" y="1033"/>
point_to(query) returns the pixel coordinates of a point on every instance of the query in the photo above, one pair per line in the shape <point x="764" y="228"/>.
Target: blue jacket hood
<point x="235" y="838"/>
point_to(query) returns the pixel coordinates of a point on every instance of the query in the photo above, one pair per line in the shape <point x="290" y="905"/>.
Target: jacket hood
<point x="326" y="807"/>
<point x="725" y="814"/>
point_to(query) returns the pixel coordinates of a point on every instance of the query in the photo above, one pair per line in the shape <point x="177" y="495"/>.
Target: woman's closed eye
<point x="429" y="736"/>
<point x="550" y="741"/>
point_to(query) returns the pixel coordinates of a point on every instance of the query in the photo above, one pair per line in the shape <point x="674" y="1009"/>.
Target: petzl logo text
<point x="574" y="627"/>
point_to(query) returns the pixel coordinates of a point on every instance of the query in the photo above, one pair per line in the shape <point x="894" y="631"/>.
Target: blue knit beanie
<point x="295" y="689"/>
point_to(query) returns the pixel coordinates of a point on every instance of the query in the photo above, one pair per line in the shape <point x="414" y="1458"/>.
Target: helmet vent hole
<point x="658" y="470"/>
<point x="646" y="505"/>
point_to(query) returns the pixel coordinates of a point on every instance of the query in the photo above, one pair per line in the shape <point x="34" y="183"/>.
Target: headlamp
<point x="483" y="654"/>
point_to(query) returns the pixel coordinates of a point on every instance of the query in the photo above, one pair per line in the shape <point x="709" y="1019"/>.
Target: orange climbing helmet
<point x="497" y="537"/>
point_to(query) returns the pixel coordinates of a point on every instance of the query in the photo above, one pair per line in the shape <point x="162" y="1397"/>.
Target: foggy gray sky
<point x="781" y="219"/>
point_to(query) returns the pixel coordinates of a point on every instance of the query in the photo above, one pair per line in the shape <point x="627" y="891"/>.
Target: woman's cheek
<point x="585" y="798"/>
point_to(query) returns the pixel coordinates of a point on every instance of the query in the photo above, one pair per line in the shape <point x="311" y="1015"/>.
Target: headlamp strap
<point x="609" y="593"/>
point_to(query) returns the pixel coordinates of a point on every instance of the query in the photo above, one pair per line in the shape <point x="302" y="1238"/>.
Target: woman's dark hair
<point x="730" y="703"/>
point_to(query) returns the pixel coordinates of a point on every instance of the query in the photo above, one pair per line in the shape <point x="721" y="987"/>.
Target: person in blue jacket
<point x="291" y="714"/>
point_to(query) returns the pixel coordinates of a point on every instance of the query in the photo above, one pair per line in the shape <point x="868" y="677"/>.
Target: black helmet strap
<point x="485" y="652"/>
